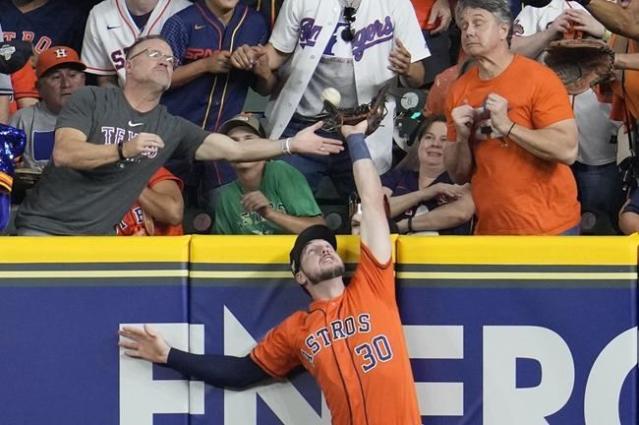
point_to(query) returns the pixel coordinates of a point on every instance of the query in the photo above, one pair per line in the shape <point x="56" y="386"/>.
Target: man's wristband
<point x="357" y="147"/>
<point x="121" y="151"/>
<point x="285" y="145"/>
<point x="410" y="224"/>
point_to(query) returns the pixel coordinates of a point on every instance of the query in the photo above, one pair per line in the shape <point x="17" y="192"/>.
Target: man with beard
<point x="360" y="360"/>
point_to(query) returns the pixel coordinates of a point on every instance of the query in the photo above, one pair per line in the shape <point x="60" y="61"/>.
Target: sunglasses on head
<point x="349" y="16"/>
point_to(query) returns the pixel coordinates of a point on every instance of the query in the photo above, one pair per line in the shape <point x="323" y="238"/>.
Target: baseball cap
<point x="57" y="56"/>
<point x="243" y="120"/>
<point x="317" y="231"/>
<point x="13" y="55"/>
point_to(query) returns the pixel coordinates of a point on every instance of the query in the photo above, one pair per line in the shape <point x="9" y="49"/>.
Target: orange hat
<point x="56" y="56"/>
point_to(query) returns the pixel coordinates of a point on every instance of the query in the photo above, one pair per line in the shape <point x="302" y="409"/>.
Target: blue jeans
<point x="337" y="167"/>
<point x="600" y="190"/>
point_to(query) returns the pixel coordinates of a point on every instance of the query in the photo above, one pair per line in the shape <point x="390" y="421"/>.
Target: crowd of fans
<point x="149" y="117"/>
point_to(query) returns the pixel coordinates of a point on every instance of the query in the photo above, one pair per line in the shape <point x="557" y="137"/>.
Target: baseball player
<point x="350" y="339"/>
<point x="113" y="25"/>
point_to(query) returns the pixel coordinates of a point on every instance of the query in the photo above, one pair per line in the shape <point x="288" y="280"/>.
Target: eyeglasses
<point x="349" y="16"/>
<point x="157" y="55"/>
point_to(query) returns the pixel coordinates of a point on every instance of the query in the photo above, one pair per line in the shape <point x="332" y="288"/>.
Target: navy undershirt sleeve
<point x="216" y="369"/>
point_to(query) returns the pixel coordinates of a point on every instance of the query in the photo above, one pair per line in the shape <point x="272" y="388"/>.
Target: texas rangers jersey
<point x="54" y="23"/>
<point x="308" y="28"/>
<point x="354" y="347"/>
<point x="195" y="33"/>
<point x="110" y="29"/>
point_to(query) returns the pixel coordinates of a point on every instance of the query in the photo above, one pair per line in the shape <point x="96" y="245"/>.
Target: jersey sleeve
<point x="408" y="31"/>
<point x="276" y="354"/>
<point x="94" y="53"/>
<point x="372" y="277"/>
<point x="528" y="21"/>
<point x="176" y="34"/>
<point x="77" y="112"/>
<point x="451" y="132"/>
<point x="163" y="174"/>
<point x="286" y="30"/>
<point x="24" y="83"/>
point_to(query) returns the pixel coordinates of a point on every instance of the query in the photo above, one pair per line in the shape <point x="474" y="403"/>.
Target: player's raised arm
<point x="374" y="231"/>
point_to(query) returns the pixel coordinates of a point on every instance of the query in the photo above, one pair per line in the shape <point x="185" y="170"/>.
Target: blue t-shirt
<point x="403" y="181"/>
<point x="52" y="24"/>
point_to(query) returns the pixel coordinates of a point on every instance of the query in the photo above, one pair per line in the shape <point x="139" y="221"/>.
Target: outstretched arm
<point x="218" y="146"/>
<point x="618" y="19"/>
<point x="214" y="369"/>
<point x="374" y="230"/>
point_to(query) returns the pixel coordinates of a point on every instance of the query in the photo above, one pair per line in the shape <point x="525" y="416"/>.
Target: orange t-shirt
<point x="354" y="347"/>
<point x="514" y="191"/>
<point x="422" y="10"/>
<point x="132" y="223"/>
<point x="24" y="85"/>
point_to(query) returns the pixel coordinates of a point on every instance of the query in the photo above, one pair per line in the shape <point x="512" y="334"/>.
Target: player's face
<point x="431" y="145"/>
<point x="152" y="61"/>
<point x="320" y="262"/>
<point x="242" y="134"/>
<point x="481" y="32"/>
<point x="58" y="85"/>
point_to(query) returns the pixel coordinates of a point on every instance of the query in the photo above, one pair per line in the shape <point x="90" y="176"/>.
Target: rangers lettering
<point x="373" y="34"/>
<point x="309" y="32"/>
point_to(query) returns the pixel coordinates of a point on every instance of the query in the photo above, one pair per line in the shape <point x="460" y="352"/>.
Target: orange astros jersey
<point x="354" y="347"/>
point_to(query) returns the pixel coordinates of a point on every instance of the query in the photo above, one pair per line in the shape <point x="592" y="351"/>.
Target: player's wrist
<point x="357" y="147"/>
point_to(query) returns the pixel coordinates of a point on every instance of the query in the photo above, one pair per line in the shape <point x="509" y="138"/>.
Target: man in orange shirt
<point x="350" y="339"/>
<point x="512" y="130"/>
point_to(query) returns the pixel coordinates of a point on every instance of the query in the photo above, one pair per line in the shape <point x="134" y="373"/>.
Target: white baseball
<point x="331" y="95"/>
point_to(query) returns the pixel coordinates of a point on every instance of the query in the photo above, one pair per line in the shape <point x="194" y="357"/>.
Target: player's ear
<point x="301" y="278"/>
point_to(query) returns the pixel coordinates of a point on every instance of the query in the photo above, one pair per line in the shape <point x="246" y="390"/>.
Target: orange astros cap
<point x="56" y="56"/>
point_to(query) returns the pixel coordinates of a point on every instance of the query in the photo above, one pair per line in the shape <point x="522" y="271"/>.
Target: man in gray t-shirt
<point x="109" y="141"/>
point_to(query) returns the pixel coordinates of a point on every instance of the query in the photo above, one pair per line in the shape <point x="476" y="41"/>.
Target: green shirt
<point x="285" y="188"/>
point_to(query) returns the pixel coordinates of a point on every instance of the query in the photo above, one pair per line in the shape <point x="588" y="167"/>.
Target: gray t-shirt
<point x="91" y="202"/>
<point x="39" y="125"/>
